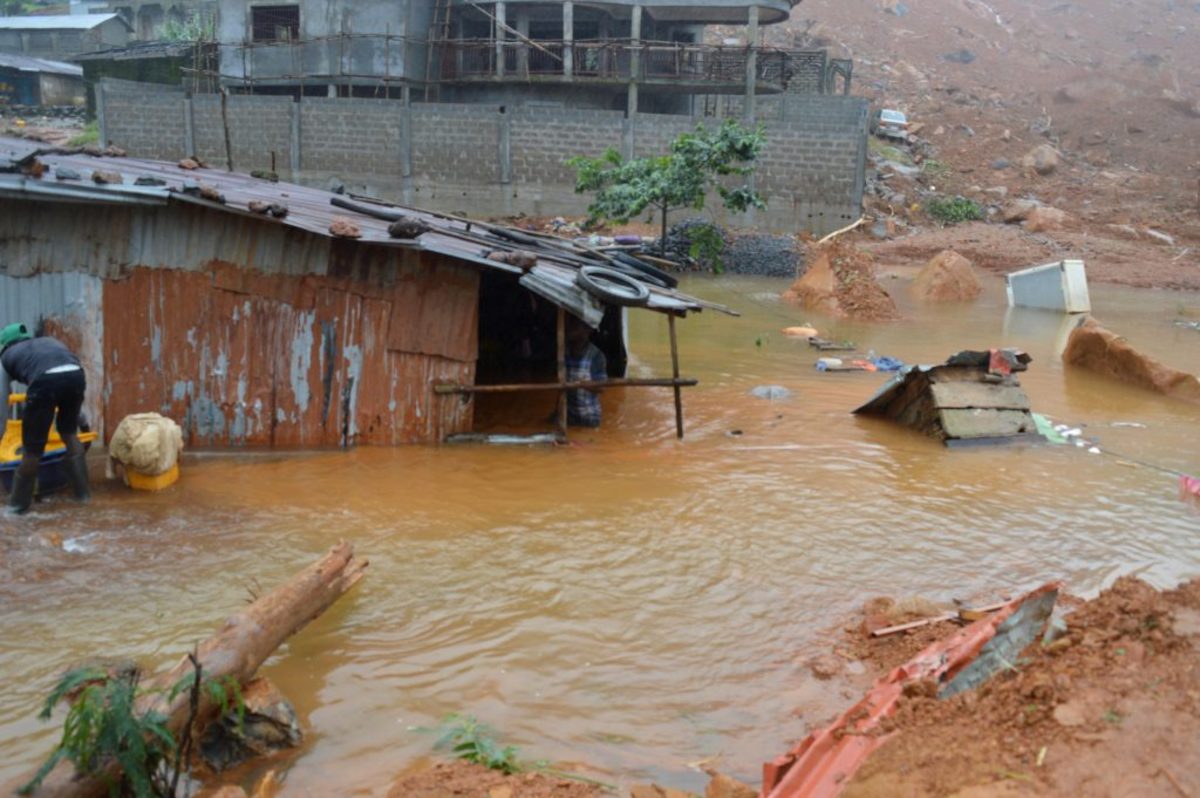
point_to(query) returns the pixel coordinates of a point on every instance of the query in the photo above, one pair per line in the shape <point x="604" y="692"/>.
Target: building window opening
<point x="275" y="23"/>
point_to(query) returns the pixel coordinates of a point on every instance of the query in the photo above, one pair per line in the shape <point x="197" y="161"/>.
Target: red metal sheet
<point x="250" y="367"/>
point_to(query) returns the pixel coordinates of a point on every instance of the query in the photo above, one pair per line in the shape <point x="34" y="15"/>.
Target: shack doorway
<point x="518" y="345"/>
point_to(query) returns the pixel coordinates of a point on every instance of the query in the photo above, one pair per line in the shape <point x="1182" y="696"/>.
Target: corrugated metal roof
<point x="138" y="50"/>
<point x="309" y="209"/>
<point x="57" y="21"/>
<point x="25" y="63"/>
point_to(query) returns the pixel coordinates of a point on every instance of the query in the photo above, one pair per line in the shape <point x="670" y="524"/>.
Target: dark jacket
<point x="27" y="360"/>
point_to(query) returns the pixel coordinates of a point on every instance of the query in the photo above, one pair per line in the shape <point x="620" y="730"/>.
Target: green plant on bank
<point x="888" y="151"/>
<point x="935" y="168"/>
<point x="103" y="725"/>
<point x="473" y="741"/>
<point x="952" y="210"/>
<point x="90" y="135"/>
<point x="697" y="163"/>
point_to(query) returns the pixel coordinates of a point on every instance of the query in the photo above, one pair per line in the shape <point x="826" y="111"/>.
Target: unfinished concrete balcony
<point x="689" y="68"/>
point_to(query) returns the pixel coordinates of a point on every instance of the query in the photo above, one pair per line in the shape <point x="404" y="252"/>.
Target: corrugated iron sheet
<point x="248" y="329"/>
<point x="309" y="209"/>
<point x="295" y="363"/>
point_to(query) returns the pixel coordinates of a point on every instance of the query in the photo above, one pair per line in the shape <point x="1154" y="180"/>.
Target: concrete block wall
<point x="544" y="139"/>
<point x="478" y="159"/>
<point x="350" y="137"/>
<point x="149" y="124"/>
<point x="455" y="145"/>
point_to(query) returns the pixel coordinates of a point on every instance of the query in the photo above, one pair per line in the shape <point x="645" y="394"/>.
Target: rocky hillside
<point x="1113" y="89"/>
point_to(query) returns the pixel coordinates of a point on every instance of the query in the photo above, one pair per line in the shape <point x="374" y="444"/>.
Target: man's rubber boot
<point x="20" y="498"/>
<point x="77" y="475"/>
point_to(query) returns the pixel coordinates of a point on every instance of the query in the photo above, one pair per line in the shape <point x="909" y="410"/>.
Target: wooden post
<point x="675" y="375"/>
<point x="225" y="125"/>
<point x="562" y="372"/>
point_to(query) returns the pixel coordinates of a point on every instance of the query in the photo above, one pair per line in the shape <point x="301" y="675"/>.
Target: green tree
<point x="698" y="161"/>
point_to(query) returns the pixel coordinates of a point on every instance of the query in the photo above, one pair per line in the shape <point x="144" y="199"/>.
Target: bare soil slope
<point x="1113" y="88"/>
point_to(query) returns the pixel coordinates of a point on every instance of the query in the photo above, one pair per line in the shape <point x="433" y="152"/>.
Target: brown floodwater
<point x="630" y="601"/>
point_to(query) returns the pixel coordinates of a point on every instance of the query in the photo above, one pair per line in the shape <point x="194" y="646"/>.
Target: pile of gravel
<point x="679" y="240"/>
<point x="764" y="255"/>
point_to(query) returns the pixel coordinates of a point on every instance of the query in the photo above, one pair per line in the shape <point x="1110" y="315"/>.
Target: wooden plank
<point x="562" y="372"/>
<point x="616" y="382"/>
<point x="951" y="395"/>
<point x="675" y="378"/>
<point x="985" y="423"/>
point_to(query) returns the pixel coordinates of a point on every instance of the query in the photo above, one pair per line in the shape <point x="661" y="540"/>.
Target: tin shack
<point x="263" y="313"/>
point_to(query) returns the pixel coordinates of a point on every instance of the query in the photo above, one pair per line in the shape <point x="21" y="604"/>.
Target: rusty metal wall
<point x="249" y="333"/>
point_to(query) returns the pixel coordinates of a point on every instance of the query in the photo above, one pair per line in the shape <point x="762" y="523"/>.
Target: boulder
<point x="107" y="178"/>
<point x="1045" y="219"/>
<point x="1042" y="159"/>
<point x="1098" y="349"/>
<point x="947" y="277"/>
<point x="722" y="786"/>
<point x="1018" y="210"/>
<point x="840" y="281"/>
<point x="268" y="724"/>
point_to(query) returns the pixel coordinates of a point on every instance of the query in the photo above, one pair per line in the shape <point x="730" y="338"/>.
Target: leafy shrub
<point x="473" y="741"/>
<point x="952" y="210"/>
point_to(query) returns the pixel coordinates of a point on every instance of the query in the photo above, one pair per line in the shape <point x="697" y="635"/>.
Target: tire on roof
<point x="612" y="287"/>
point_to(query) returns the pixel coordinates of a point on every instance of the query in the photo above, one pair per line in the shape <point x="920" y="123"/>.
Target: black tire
<point x="613" y="287"/>
<point x="648" y="271"/>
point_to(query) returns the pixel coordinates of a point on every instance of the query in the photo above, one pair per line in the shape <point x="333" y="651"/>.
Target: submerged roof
<point x="25" y="63"/>
<point x="312" y="210"/>
<point x="58" y="21"/>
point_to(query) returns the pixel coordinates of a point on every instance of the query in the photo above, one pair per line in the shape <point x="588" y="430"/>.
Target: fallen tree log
<point x="237" y="650"/>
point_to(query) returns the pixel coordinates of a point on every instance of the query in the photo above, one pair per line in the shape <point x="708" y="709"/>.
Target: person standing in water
<point x="55" y="387"/>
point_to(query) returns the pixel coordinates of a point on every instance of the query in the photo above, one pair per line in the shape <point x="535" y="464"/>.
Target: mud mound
<point x="1111" y="708"/>
<point x="1093" y="347"/>
<point x="948" y="277"/>
<point x="467" y="780"/>
<point x="840" y="281"/>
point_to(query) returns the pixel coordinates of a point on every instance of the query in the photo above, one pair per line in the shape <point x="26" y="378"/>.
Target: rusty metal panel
<point x="436" y="309"/>
<point x="280" y="361"/>
<point x="106" y="241"/>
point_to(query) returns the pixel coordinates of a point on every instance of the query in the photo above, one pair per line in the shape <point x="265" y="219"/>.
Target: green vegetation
<point x="473" y="741"/>
<point x="952" y="210"/>
<point x="889" y="152"/>
<point x="935" y="168"/>
<point x="697" y="163"/>
<point x="17" y="8"/>
<point x="196" y="27"/>
<point x="707" y="245"/>
<point x="90" y="135"/>
<point x="103" y="724"/>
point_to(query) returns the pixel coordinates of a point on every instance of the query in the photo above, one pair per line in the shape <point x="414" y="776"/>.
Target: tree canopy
<point x="698" y="161"/>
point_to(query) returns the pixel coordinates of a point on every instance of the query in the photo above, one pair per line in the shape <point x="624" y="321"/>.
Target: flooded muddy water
<point x="631" y="601"/>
